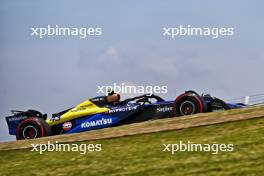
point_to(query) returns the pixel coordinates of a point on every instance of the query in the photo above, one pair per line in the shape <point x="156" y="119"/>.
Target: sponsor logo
<point x="81" y="108"/>
<point x="164" y="109"/>
<point x="57" y="118"/>
<point x="16" y="118"/>
<point x="103" y="121"/>
<point x="98" y="99"/>
<point x="123" y="109"/>
<point x="67" y="126"/>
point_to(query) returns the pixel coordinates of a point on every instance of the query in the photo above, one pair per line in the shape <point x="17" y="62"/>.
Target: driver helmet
<point x="110" y="91"/>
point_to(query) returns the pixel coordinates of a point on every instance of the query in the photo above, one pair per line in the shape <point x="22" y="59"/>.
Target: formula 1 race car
<point x="108" y="111"/>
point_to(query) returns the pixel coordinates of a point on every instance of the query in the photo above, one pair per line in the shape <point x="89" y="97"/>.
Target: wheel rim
<point x="30" y="132"/>
<point x="187" y="108"/>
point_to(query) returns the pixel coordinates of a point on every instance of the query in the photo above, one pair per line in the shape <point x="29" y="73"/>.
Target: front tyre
<point x="31" y="128"/>
<point x="188" y="107"/>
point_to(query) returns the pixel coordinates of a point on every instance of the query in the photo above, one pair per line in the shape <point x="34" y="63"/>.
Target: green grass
<point x="143" y="155"/>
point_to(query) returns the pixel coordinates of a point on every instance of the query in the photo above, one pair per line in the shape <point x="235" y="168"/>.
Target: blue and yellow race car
<point x="108" y="111"/>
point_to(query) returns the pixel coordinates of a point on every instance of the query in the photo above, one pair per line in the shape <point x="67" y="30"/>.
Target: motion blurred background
<point x="55" y="73"/>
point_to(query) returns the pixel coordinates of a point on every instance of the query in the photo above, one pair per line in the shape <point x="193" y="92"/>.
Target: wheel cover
<point x="187" y="108"/>
<point x="30" y="132"/>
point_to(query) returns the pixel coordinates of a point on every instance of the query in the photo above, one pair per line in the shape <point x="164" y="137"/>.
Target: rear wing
<point x="14" y="120"/>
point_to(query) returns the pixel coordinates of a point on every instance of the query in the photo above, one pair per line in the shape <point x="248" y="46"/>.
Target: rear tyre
<point x="31" y="128"/>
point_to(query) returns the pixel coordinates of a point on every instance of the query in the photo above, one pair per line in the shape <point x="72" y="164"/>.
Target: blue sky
<point x="55" y="73"/>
